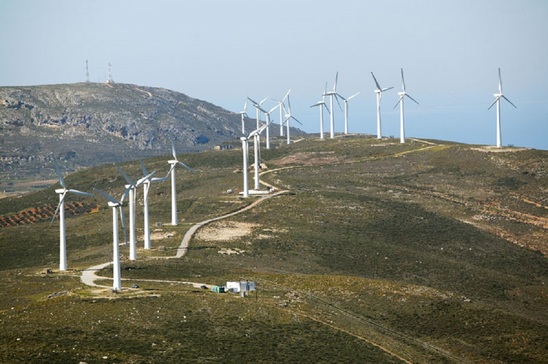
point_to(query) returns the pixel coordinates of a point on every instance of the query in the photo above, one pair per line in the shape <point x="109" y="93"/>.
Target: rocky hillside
<point x="92" y="123"/>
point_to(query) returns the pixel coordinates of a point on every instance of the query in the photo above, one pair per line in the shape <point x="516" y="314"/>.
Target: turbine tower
<point x="116" y="206"/>
<point x="288" y="118"/>
<point x="282" y="109"/>
<point x="62" y="192"/>
<point x="256" y="134"/>
<point x="146" y="187"/>
<point x="346" y="111"/>
<point x="110" y="80"/>
<point x="498" y="96"/>
<point x="333" y="94"/>
<point x="322" y="104"/>
<point x="87" y="72"/>
<point x="379" y="90"/>
<point x="174" y="162"/>
<point x="402" y="95"/>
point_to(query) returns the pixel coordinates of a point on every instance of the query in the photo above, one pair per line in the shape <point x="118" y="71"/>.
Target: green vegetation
<point x="381" y="252"/>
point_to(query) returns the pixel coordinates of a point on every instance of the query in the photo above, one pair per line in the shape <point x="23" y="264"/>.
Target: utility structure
<point x="378" y="91"/>
<point x="402" y="94"/>
<point x="243" y="114"/>
<point x="333" y="95"/>
<point x="146" y="187"/>
<point x="87" y="72"/>
<point x="110" y="80"/>
<point x="132" y="187"/>
<point x="288" y="118"/>
<point x="245" y="151"/>
<point x="346" y="110"/>
<point x="498" y="96"/>
<point x="62" y="192"/>
<point x="173" y="163"/>
<point x="321" y="104"/>
<point x="116" y="206"/>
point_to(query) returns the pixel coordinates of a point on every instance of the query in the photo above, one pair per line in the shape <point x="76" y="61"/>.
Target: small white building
<point x="240" y="286"/>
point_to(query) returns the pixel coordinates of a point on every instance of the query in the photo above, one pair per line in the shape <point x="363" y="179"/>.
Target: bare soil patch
<point x="226" y="231"/>
<point x="309" y="158"/>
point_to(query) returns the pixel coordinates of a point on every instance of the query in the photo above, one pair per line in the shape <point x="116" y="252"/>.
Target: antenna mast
<point x="87" y="71"/>
<point x="110" y="80"/>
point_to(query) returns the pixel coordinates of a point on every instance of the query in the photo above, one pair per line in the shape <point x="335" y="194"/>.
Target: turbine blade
<point x="416" y="102"/>
<point x="338" y="102"/>
<point x="402" y="81"/>
<point x="143" y="168"/>
<point x="263" y="100"/>
<point x="336" y="80"/>
<point x="376" y="83"/>
<point x="59" y="174"/>
<point x="297" y="120"/>
<point x="126" y="177"/>
<point x="184" y="165"/>
<point x="123" y="221"/>
<point x="386" y="89"/>
<point x="245" y="106"/>
<point x="511" y="103"/>
<point x="143" y="179"/>
<point x="351" y="97"/>
<point x="493" y="104"/>
<point x="397" y="103"/>
<point x="107" y="196"/>
<point x="58" y="206"/>
<point x="80" y="193"/>
<point x="173" y="150"/>
<point x="500" y="82"/>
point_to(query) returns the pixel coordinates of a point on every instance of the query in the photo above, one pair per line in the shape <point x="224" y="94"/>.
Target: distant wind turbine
<point x="245" y="151"/>
<point x="174" y="162"/>
<point x="146" y="187"/>
<point x="379" y="90"/>
<point x="288" y="118"/>
<point x="62" y="192"/>
<point x="116" y="206"/>
<point x="282" y="107"/>
<point x="346" y="111"/>
<point x="333" y="94"/>
<point x="498" y="96"/>
<point x="322" y="104"/>
<point x="402" y="95"/>
<point x="244" y="114"/>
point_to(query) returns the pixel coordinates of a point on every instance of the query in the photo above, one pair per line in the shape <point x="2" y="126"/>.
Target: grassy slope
<point x="381" y="244"/>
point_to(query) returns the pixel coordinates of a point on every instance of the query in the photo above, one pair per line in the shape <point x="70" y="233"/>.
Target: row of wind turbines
<point x="117" y="204"/>
<point x="334" y="95"/>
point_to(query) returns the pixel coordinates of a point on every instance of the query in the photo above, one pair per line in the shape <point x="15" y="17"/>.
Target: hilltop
<point x="86" y="124"/>
<point x="380" y="252"/>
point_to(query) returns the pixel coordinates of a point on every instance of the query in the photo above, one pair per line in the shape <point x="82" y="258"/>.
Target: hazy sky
<point x="223" y="51"/>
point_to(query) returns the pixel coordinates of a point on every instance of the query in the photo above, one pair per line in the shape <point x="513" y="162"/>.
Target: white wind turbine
<point x="322" y="104"/>
<point x="245" y="152"/>
<point x="116" y="206"/>
<point x="132" y="186"/>
<point x="346" y="111"/>
<point x="174" y="162"/>
<point x="498" y="96"/>
<point x="281" y="106"/>
<point x="333" y="94"/>
<point x="258" y="110"/>
<point x="257" y="150"/>
<point x="244" y="114"/>
<point x="402" y="95"/>
<point x="268" y="125"/>
<point x="146" y="187"/>
<point x="288" y="118"/>
<point x="379" y="90"/>
<point x="62" y="192"/>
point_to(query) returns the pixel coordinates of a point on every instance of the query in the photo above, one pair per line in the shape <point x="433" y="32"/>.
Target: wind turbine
<point x="116" y="206"/>
<point x="146" y="188"/>
<point x="379" y="90"/>
<point x="244" y="114"/>
<point x="268" y="125"/>
<point x="333" y="94"/>
<point x="258" y="109"/>
<point x="402" y="95"/>
<point x="322" y="104"/>
<point x="62" y="192"/>
<point x="174" y="162"/>
<point x="245" y="152"/>
<point x="498" y="96"/>
<point x="132" y="186"/>
<point x="346" y="111"/>
<point x="288" y="118"/>
<point x="282" y="106"/>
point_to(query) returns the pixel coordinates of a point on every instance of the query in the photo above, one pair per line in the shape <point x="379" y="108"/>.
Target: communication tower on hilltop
<point x="110" y="80"/>
<point x="87" y="71"/>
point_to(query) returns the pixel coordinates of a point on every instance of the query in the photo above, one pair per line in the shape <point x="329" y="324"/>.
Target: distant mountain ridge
<point x="91" y="123"/>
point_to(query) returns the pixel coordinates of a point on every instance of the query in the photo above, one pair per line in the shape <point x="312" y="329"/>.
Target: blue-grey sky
<point x="223" y="51"/>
